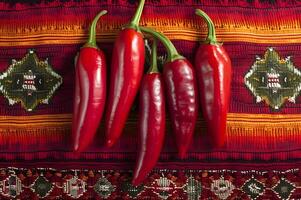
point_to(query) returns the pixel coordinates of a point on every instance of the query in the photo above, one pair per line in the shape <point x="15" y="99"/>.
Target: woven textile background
<point x="259" y="138"/>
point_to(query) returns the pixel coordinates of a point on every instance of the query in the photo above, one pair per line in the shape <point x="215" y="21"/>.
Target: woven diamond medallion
<point x="29" y="81"/>
<point x="222" y="188"/>
<point x="11" y="187"/>
<point x="42" y="187"/>
<point x="75" y="187"/>
<point x="193" y="188"/>
<point x="284" y="189"/>
<point x="132" y="191"/>
<point x="253" y="188"/>
<point x="163" y="187"/>
<point x="274" y="80"/>
<point x="104" y="187"/>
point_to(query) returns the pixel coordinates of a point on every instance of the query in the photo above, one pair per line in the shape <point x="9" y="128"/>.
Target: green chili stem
<point x="172" y="53"/>
<point x="154" y="67"/>
<point x="136" y="18"/>
<point x="211" y="37"/>
<point x="92" y="34"/>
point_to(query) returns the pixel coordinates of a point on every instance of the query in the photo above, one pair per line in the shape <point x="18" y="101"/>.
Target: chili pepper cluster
<point x="183" y="85"/>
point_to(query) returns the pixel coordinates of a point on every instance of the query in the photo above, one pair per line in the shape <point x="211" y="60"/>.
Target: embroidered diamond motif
<point x="11" y="186"/>
<point x="29" y="81"/>
<point x="222" y="188"/>
<point x="253" y="188"/>
<point x="42" y="187"/>
<point x="284" y="189"/>
<point x="104" y="188"/>
<point x="193" y="188"/>
<point x="163" y="187"/>
<point x="132" y="191"/>
<point x="75" y="187"/>
<point x="274" y="80"/>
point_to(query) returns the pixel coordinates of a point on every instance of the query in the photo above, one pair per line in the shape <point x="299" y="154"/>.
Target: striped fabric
<point x="56" y="30"/>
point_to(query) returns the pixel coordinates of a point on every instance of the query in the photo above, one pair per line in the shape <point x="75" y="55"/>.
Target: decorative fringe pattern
<point x="36" y="183"/>
<point x="250" y="136"/>
<point x="25" y="132"/>
<point x="259" y="132"/>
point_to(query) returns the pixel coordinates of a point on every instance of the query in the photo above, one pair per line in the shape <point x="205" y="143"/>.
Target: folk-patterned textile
<point x="165" y="184"/>
<point x="263" y="39"/>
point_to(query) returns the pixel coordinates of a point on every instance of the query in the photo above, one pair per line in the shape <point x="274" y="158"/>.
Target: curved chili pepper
<point x="151" y="120"/>
<point x="126" y="74"/>
<point x="90" y="90"/>
<point x="213" y="67"/>
<point x="181" y="89"/>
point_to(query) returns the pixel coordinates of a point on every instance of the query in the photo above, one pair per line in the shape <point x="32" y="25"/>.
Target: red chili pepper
<point x="151" y="120"/>
<point x="126" y="74"/>
<point x="181" y="89"/>
<point x="213" y="67"/>
<point x="90" y="90"/>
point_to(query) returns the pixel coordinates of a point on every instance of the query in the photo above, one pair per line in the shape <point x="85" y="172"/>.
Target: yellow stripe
<point x="189" y="30"/>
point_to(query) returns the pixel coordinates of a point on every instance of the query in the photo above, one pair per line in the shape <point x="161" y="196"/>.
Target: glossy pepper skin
<point x="213" y="67"/>
<point x="181" y="93"/>
<point x="181" y="85"/>
<point x="126" y="74"/>
<point x="90" y="91"/>
<point x="151" y="121"/>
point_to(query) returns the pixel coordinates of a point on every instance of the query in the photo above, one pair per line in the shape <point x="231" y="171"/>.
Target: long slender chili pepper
<point x="213" y="67"/>
<point x="126" y="74"/>
<point x="151" y="120"/>
<point x="181" y="89"/>
<point x="90" y="90"/>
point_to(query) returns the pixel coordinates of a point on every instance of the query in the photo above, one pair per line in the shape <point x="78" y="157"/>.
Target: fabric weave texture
<point x="258" y="137"/>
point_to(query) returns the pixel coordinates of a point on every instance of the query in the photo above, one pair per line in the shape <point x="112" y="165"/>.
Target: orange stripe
<point x="69" y="39"/>
<point x="233" y="119"/>
<point x="263" y="116"/>
<point x="68" y="116"/>
<point x="246" y="125"/>
<point x="231" y="116"/>
<point x="58" y="120"/>
<point x="179" y="29"/>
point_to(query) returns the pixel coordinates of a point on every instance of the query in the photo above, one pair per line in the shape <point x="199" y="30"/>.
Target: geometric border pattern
<point x="253" y="188"/>
<point x="161" y="184"/>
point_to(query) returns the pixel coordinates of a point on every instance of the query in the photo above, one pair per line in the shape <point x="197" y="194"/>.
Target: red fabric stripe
<point x="84" y="14"/>
<point x="61" y="58"/>
<point x="53" y="145"/>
